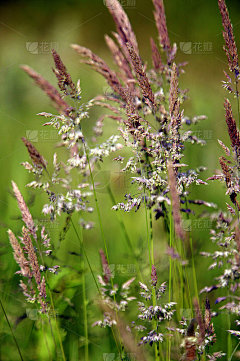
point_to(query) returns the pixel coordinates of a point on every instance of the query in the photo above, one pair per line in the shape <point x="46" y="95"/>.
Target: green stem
<point x="84" y="297"/>
<point x="193" y="262"/>
<point x="55" y="317"/>
<point x="47" y="282"/>
<point x="157" y="347"/>
<point x="97" y="206"/>
<point x="101" y="226"/>
<point x="85" y="314"/>
<point x="170" y="285"/>
<point x="46" y="341"/>
<point x="50" y="325"/>
<point x="148" y="236"/>
<point x="229" y="351"/>
<point x="123" y="228"/>
<point x="53" y="309"/>
<point x="81" y="245"/>
<point x="234" y="351"/>
<point x="151" y="234"/>
<point x="237" y="95"/>
<point x="79" y="239"/>
<point x="5" y="315"/>
<point x="151" y="262"/>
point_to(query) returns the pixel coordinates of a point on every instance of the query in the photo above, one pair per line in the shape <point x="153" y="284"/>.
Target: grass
<point x="126" y="302"/>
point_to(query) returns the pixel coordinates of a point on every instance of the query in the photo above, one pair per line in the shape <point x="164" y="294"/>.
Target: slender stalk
<point x="237" y="96"/>
<point x="148" y="237"/>
<point x="5" y="315"/>
<point x="55" y="317"/>
<point x="84" y="300"/>
<point x="122" y="225"/>
<point x="151" y="262"/>
<point x="46" y="341"/>
<point x="101" y="225"/>
<point x="81" y="245"/>
<point x="85" y="316"/>
<point x="53" y="309"/>
<point x="155" y="322"/>
<point x="193" y="262"/>
<point x="50" y="325"/>
<point x="90" y="267"/>
<point x="97" y="206"/>
<point x="234" y="351"/>
<point x="52" y="303"/>
<point x="229" y="350"/>
<point x="186" y="280"/>
<point x="184" y="298"/>
<point x="151" y="234"/>
<point x="170" y="285"/>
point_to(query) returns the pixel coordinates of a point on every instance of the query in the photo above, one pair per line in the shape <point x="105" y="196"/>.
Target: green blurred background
<point x="28" y="30"/>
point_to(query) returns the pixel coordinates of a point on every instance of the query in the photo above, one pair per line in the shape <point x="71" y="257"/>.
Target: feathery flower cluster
<point x="157" y="312"/>
<point x="154" y="120"/>
<point x="49" y="89"/>
<point x="226" y="236"/>
<point x="68" y="124"/>
<point x="226" y="233"/>
<point x="230" y="47"/>
<point x="26" y="255"/>
<point x="199" y="335"/>
<point x="109" y="295"/>
<point x="36" y="157"/>
<point x="161" y="23"/>
<point x="64" y="78"/>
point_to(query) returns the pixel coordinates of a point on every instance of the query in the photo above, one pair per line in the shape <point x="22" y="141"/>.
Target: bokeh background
<point x="28" y="31"/>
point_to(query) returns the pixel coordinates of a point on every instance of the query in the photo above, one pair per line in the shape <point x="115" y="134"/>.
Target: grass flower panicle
<point x="29" y="266"/>
<point x="230" y="47"/>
